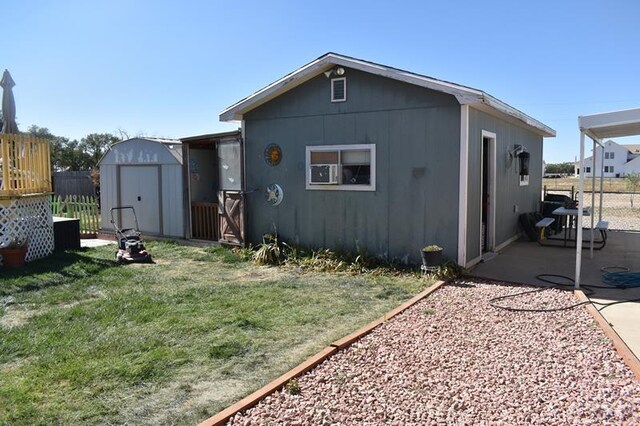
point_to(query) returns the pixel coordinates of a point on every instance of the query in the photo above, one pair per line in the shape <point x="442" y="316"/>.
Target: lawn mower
<point x="130" y="244"/>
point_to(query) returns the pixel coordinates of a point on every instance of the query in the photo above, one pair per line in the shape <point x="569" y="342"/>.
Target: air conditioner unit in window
<point x="324" y="174"/>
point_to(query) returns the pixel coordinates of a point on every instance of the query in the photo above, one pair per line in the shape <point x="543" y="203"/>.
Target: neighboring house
<point x="372" y="157"/>
<point x="619" y="160"/>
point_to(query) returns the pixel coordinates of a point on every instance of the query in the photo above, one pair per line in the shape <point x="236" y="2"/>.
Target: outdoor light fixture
<point x="339" y="71"/>
<point x="517" y="150"/>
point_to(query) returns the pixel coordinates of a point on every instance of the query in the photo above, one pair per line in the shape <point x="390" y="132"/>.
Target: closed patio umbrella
<point x="8" y="104"/>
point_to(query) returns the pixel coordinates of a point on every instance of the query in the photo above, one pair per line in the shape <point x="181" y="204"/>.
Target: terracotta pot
<point x="13" y="258"/>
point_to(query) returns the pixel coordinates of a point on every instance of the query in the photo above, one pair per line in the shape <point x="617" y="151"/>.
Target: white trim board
<point x="464" y="95"/>
<point x="338" y="187"/>
<point x="463" y="187"/>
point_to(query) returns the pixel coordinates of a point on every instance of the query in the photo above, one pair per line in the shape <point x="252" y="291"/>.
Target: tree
<point x="632" y="180"/>
<point x="95" y="145"/>
<point x="69" y="154"/>
<point x="563" y="168"/>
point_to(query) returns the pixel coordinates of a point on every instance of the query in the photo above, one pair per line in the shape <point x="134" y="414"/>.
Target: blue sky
<point x="169" y="68"/>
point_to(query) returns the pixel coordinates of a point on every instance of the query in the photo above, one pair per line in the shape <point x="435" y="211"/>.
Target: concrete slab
<point x="522" y="261"/>
<point x="95" y="242"/>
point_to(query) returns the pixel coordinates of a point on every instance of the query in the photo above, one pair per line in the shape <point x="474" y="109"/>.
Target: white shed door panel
<point x="139" y="187"/>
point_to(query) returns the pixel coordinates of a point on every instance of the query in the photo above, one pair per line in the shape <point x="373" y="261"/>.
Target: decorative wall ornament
<point x="273" y="154"/>
<point x="274" y="194"/>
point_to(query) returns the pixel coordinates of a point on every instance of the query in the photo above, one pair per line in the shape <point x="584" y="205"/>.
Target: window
<point x="608" y="169"/>
<point x="587" y="169"/>
<point x="609" y="155"/>
<point x="339" y="89"/>
<point x="341" y="167"/>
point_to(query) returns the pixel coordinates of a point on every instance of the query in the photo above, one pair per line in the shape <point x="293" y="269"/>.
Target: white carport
<point x="598" y="127"/>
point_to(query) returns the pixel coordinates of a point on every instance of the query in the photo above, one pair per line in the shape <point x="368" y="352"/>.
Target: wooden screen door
<point x="231" y="200"/>
<point x="231" y="208"/>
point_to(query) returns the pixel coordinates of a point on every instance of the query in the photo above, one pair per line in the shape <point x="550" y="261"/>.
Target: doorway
<point x="488" y="194"/>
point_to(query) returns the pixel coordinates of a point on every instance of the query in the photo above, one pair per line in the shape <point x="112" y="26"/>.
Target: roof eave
<point x="540" y="128"/>
<point x="464" y="95"/>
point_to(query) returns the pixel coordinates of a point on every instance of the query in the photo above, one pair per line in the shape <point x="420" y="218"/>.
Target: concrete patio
<point x="522" y="261"/>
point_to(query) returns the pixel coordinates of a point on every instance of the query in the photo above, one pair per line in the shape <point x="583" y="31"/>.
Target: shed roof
<point x="135" y="146"/>
<point x="464" y="94"/>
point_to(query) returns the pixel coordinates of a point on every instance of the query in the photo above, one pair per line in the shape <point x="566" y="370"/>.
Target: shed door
<point x="140" y="188"/>
<point x="231" y="198"/>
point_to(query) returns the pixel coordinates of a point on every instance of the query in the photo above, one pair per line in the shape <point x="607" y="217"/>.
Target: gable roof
<point x="464" y="95"/>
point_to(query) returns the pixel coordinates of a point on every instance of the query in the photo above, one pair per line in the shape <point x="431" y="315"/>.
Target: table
<point x="571" y="213"/>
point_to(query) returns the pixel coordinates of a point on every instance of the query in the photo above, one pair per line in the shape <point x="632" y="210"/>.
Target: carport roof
<point x="611" y="124"/>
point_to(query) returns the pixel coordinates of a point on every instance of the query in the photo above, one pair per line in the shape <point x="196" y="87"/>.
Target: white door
<point x="139" y="187"/>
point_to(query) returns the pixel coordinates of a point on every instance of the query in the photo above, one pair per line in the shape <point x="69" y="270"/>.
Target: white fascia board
<point x="296" y="78"/>
<point x="309" y="71"/>
<point x="464" y="95"/>
<point x="498" y="105"/>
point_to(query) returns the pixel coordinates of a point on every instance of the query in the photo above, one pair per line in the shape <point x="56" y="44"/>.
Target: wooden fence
<point x="205" y="221"/>
<point x="73" y="183"/>
<point x="80" y="207"/>
<point x="25" y="166"/>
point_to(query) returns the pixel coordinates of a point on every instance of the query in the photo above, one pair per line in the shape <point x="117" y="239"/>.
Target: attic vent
<point x="339" y="89"/>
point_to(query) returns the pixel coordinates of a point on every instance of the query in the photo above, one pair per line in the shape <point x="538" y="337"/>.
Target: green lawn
<point x="83" y="340"/>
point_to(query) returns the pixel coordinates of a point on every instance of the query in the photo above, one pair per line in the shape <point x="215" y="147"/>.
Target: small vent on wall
<point x="338" y="89"/>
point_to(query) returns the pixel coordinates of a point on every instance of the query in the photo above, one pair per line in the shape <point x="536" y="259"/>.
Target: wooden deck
<point x="25" y="166"/>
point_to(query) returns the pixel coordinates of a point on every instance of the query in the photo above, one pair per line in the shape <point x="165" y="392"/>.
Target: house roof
<point x="211" y="136"/>
<point x="634" y="149"/>
<point x="464" y="95"/>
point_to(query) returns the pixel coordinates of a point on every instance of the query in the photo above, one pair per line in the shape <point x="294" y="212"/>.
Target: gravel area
<point x="453" y="359"/>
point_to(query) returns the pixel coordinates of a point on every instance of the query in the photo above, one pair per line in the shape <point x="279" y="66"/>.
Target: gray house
<point x="344" y="153"/>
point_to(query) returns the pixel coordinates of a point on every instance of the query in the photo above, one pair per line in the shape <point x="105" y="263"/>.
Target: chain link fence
<point x="620" y="209"/>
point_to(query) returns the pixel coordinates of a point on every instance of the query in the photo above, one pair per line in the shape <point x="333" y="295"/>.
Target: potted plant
<point x="14" y="252"/>
<point x="431" y="256"/>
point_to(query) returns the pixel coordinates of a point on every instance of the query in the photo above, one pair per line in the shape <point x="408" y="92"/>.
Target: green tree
<point x="67" y="154"/>
<point x="632" y="180"/>
<point x="95" y="145"/>
<point x="564" y="168"/>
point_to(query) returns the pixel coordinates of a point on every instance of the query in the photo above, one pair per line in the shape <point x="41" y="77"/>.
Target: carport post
<point x="580" y="207"/>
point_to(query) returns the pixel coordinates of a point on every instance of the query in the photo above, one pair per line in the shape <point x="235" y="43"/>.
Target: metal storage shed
<point x="145" y="173"/>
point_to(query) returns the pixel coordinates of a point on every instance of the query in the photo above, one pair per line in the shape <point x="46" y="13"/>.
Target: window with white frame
<point x="339" y="89"/>
<point x="608" y="169"/>
<point x="587" y="169"/>
<point x="341" y="167"/>
<point x="609" y="155"/>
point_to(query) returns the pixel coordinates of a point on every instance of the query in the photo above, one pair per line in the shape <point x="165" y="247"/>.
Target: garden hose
<point x="628" y="281"/>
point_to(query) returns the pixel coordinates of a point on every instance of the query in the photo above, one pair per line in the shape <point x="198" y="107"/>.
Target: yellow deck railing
<point x="25" y="165"/>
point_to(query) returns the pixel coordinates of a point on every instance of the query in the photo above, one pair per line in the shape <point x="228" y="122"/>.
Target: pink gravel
<point x="453" y="359"/>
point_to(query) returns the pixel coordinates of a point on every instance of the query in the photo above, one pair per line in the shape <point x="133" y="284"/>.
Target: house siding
<point x="416" y="134"/>
<point x="509" y="191"/>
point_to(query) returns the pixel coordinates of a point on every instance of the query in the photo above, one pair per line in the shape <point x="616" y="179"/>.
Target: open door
<point x="488" y="194"/>
<point x="231" y="199"/>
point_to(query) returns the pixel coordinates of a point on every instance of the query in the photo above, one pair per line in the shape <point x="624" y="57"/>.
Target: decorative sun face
<point x="273" y="154"/>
